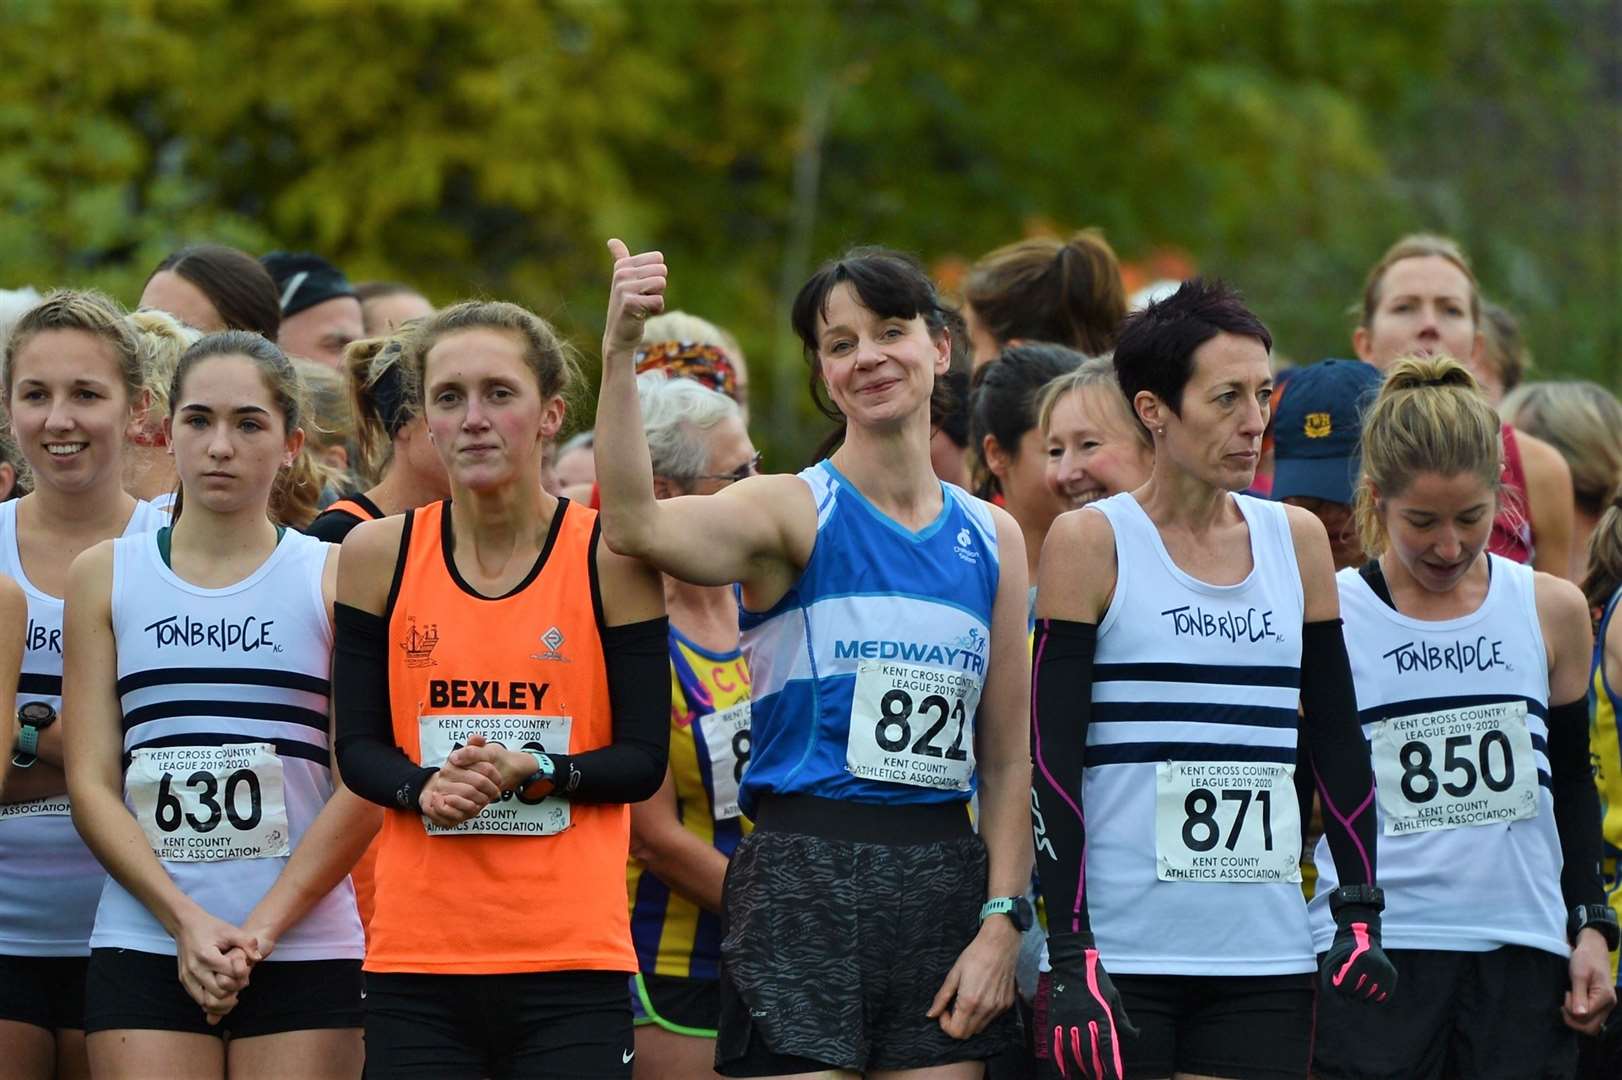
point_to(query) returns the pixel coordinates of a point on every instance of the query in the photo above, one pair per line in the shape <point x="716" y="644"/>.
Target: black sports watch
<point x="1593" y="917"/>
<point x="32" y="719"/>
<point x="1371" y="895"/>
<point x="1017" y="908"/>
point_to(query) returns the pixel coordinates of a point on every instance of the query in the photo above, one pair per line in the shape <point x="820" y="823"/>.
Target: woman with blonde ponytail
<point x="1471" y="677"/>
<point x="396" y="458"/>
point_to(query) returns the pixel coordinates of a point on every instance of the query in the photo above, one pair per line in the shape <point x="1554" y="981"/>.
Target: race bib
<point x="726" y="740"/>
<point x="912" y="725"/>
<point x="210" y="803"/>
<point x="514" y="815"/>
<point x="1467" y="766"/>
<point x="1226" y="821"/>
<point x="52" y="806"/>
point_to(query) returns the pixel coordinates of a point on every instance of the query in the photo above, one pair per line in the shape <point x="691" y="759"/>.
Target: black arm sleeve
<point x="1061" y="708"/>
<point x="632" y="767"/>
<point x="372" y="765"/>
<point x="1338" y="752"/>
<point x="1576" y="804"/>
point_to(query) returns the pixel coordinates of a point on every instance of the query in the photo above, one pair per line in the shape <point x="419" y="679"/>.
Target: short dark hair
<point x="238" y="286"/>
<point x="1155" y="351"/>
<point x="890" y="284"/>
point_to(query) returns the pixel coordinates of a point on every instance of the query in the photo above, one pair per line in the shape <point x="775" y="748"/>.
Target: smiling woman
<point x="884" y="615"/>
<point x="72" y="378"/>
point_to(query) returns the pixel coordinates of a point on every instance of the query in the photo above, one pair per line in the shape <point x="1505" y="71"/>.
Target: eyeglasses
<point x="742" y="472"/>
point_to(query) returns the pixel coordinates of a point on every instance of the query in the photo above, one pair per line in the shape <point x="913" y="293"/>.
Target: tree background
<point x="489" y="148"/>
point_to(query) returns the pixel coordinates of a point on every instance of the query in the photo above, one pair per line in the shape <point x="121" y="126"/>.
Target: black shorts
<point x="1258" y="1027"/>
<point x="141" y="991"/>
<point x="1482" y="1015"/>
<point x="560" y="1024"/>
<point x="45" y="991"/>
<point x="680" y="1006"/>
<point x="840" y="922"/>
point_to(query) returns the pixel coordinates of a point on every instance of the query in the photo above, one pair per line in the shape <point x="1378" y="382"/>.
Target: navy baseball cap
<point x="304" y="280"/>
<point x="1317" y="427"/>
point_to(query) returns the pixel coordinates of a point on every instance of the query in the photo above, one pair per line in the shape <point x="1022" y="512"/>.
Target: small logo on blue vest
<point x="964" y="551"/>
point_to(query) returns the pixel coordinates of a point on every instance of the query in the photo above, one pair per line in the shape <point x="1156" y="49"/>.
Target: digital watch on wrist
<point x="1370" y="895"/>
<point x="1593" y="917"/>
<point x="545" y="769"/>
<point x="1017" y="908"/>
<point x="32" y="719"/>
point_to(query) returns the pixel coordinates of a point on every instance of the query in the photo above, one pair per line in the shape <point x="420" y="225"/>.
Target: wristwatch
<point x="545" y="769"/>
<point x="1372" y="895"/>
<point x="1593" y="917"/>
<point x="1017" y="908"/>
<point x="32" y="719"/>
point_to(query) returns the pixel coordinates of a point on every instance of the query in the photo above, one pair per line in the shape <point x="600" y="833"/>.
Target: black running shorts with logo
<point x="841" y="922"/>
<point x="1482" y="1015"/>
<point x="545" y="1025"/>
<point x="1258" y="1027"/>
<point x="44" y="991"/>
<point x="127" y="989"/>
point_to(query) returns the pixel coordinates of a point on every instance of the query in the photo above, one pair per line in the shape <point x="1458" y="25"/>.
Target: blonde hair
<point x="1429" y="417"/>
<point x="93" y="313"/>
<point x="328" y="420"/>
<point x="680" y="326"/>
<point x="1583" y="421"/>
<point x="1418" y="246"/>
<point x="163" y="339"/>
<point x="1604" y="573"/>
<point x="1096" y="376"/>
<point x="383" y="399"/>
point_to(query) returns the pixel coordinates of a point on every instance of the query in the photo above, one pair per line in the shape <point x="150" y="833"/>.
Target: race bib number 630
<point x="912" y="725"/>
<point x="208" y="803"/>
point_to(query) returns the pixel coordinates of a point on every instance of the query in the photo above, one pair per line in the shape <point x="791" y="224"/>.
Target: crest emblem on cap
<point x="1318" y="425"/>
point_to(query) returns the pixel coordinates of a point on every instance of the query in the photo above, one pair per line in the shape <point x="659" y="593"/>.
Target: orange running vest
<point x="500" y="904"/>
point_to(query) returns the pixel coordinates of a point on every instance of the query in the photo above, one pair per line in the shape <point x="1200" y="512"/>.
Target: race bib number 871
<point x="1466" y="766"/>
<point x="1226" y="821"/>
<point x="209" y="803"/>
<point x="912" y="725"/>
<point x="513" y="814"/>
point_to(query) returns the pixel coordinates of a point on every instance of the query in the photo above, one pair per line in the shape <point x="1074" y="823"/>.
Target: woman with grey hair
<point x="683" y="837"/>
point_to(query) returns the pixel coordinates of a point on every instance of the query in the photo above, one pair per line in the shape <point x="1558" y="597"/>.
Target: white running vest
<point x="224" y="695"/>
<point x="1456" y="715"/>
<point x="1193" y="833"/>
<point x="49" y="881"/>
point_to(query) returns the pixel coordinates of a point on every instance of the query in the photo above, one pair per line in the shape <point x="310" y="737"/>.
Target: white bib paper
<point x="1466" y="766"/>
<point x="513" y="815"/>
<point x="726" y="740"/>
<point x="1226" y="821"/>
<point x="52" y="806"/>
<point x="210" y="803"/>
<point x="912" y="725"/>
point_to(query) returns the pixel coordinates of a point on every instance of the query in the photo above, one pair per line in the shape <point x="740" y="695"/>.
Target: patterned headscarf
<point x="705" y="364"/>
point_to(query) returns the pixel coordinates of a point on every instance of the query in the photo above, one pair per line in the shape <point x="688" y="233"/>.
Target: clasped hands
<point x="473" y="777"/>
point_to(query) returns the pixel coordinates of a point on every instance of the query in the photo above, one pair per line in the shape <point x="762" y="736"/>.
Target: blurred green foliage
<point x="490" y="147"/>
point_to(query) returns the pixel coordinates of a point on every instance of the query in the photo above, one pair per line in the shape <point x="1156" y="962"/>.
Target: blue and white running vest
<point x="1193" y="830"/>
<point x="49" y="881"/>
<point x="224" y="695"/>
<point x="867" y="673"/>
<point x="1456" y="712"/>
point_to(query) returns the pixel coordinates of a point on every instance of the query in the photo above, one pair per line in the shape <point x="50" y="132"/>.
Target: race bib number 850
<point x="1467" y="766"/>
<point x="513" y="815"/>
<point x="912" y="725"/>
<point x="208" y="803"/>
<point x="1226" y="821"/>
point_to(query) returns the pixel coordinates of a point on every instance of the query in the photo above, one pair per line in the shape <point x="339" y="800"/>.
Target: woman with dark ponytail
<point x="1044" y="289"/>
<point x="393" y="441"/>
